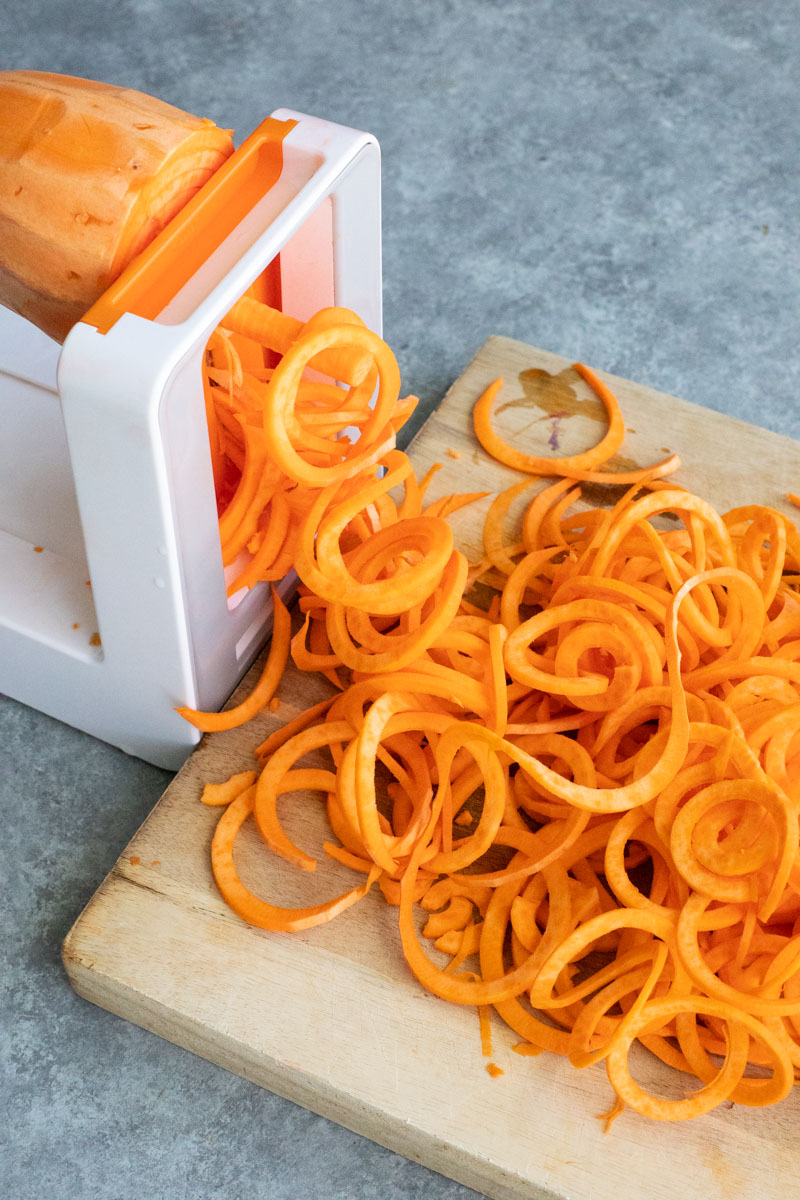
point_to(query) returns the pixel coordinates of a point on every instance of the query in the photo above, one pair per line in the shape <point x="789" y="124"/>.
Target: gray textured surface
<point x="616" y="181"/>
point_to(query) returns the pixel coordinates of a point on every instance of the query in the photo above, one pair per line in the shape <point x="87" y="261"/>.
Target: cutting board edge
<point x="313" y="1094"/>
<point x="621" y="382"/>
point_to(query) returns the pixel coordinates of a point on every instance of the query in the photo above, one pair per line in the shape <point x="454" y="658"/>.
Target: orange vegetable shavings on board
<point x="595" y="783"/>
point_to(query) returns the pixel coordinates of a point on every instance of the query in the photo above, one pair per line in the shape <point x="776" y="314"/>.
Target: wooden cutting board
<point x="331" y="1018"/>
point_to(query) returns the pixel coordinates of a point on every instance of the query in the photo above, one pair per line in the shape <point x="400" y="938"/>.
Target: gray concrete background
<point x="616" y="181"/>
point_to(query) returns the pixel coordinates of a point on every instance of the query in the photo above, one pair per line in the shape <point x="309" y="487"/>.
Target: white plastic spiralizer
<point x="113" y="606"/>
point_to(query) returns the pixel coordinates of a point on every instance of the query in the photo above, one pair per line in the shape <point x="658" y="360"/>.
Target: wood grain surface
<point x="331" y="1018"/>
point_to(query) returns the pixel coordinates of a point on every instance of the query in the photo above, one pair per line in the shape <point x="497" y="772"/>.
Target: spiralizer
<point x="113" y="606"/>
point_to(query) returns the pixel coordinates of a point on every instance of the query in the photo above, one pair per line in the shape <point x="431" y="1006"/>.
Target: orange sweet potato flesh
<point x="89" y="174"/>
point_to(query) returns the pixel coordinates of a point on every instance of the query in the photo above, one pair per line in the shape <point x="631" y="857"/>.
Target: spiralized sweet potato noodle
<point x="592" y="789"/>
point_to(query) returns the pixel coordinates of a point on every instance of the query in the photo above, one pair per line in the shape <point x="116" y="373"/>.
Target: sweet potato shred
<point x="595" y="782"/>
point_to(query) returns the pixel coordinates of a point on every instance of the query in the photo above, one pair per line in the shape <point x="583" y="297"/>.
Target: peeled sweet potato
<point x="89" y="174"/>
